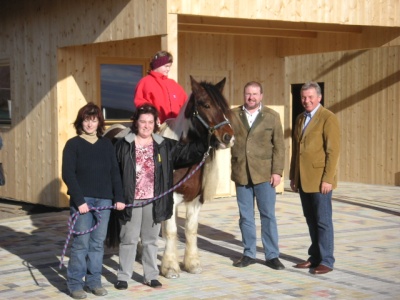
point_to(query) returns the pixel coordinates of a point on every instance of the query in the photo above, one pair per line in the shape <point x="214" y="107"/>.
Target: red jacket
<point x="162" y="92"/>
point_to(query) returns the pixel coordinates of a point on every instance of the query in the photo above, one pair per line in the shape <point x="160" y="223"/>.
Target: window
<point x="5" y="93"/>
<point x="118" y="78"/>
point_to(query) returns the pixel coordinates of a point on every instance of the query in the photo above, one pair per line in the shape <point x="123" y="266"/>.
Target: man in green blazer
<point x="258" y="159"/>
<point x="315" y="155"/>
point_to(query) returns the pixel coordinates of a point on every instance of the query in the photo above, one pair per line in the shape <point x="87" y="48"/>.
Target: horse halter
<point x="208" y="127"/>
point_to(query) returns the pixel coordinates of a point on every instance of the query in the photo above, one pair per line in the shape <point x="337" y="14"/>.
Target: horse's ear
<point x="220" y="85"/>
<point x="191" y="102"/>
<point x="195" y="85"/>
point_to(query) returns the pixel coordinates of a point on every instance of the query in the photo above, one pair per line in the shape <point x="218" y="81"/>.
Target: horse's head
<point x="210" y="113"/>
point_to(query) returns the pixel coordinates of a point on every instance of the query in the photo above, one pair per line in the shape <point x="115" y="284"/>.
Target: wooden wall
<point x="78" y="79"/>
<point x="363" y="89"/>
<point x="208" y="55"/>
<point x="368" y="37"/>
<point x="34" y="38"/>
<point x="360" y="12"/>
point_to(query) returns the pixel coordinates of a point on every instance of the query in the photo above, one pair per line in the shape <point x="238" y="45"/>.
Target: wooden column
<point x="169" y="43"/>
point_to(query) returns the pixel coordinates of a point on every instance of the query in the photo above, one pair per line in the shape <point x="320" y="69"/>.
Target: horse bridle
<point x="208" y="127"/>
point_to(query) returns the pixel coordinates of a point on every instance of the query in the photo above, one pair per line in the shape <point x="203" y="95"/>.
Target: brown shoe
<point x="321" y="269"/>
<point x="305" y="265"/>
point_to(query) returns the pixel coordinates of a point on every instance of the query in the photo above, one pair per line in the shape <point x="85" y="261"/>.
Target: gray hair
<point x="310" y="85"/>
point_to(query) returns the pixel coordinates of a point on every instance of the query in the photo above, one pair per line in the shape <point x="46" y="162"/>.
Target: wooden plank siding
<point x="52" y="47"/>
<point x="363" y="89"/>
<point x="360" y="12"/>
<point x="78" y="78"/>
<point x="52" y="78"/>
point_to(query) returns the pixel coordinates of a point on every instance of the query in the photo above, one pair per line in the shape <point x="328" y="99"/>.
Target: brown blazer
<point x="315" y="152"/>
<point x="258" y="151"/>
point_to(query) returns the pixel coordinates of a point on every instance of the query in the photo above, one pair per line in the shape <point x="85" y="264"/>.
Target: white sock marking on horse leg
<point x="191" y="260"/>
<point x="169" y="263"/>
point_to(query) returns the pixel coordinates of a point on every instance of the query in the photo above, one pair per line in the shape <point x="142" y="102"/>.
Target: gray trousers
<point x="141" y="225"/>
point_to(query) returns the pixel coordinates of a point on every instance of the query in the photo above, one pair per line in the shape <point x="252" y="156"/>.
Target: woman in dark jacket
<point x="147" y="161"/>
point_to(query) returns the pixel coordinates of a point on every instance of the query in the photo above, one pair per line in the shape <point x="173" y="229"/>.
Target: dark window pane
<point x="118" y="83"/>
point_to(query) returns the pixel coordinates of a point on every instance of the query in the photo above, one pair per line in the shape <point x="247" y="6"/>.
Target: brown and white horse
<point x="204" y="116"/>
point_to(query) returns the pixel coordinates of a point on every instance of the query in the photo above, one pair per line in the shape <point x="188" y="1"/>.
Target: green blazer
<point x="258" y="151"/>
<point x="315" y="152"/>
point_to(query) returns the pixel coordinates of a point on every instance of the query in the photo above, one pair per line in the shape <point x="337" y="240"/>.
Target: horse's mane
<point x="180" y="126"/>
<point x="217" y="96"/>
<point x="177" y="127"/>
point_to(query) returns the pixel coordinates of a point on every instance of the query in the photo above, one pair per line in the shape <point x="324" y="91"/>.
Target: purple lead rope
<point x="74" y="217"/>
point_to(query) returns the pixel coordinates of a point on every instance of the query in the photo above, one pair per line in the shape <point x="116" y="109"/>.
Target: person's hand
<point x="325" y="187"/>
<point x="83" y="209"/>
<point x="275" y="180"/>
<point x="119" y="206"/>
<point x="293" y="186"/>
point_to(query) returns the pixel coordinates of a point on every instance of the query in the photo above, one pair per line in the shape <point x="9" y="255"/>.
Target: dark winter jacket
<point x="168" y="155"/>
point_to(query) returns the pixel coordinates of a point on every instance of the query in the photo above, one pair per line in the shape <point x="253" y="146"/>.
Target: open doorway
<point x="297" y="108"/>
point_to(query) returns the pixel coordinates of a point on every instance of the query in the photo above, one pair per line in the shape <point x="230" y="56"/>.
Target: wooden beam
<point x="250" y="31"/>
<point x="268" y="24"/>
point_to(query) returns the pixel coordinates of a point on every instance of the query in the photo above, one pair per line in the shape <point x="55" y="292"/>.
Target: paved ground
<point x="367" y="249"/>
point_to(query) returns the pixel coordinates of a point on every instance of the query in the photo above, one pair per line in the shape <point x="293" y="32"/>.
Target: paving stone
<point x="367" y="251"/>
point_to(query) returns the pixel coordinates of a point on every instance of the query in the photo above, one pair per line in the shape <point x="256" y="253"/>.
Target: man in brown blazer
<point x="258" y="159"/>
<point x="315" y="155"/>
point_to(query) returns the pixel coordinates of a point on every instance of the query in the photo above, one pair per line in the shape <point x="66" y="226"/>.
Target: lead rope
<point x="74" y="217"/>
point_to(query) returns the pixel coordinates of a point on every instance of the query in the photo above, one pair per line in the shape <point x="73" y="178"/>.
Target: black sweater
<point x="91" y="170"/>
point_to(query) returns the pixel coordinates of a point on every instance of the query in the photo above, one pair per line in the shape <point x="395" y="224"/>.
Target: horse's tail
<point x="113" y="230"/>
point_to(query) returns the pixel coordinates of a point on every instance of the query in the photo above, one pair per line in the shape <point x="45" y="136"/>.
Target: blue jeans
<point x="317" y="209"/>
<point x="265" y="196"/>
<point x="86" y="258"/>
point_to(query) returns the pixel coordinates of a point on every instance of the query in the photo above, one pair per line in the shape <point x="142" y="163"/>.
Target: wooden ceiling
<point x="265" y="28"/>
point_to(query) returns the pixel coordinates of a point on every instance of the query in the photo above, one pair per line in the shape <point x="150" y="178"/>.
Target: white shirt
<point x="251" y="116"/>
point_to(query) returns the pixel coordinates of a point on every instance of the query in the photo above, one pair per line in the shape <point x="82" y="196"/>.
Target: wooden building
<point x="52" y="53"/>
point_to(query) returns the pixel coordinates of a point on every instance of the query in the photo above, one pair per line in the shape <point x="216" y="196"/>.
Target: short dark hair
<point x="253" y="83"/>
<point x="89" y="111"/>
<point x="141" y="110"/>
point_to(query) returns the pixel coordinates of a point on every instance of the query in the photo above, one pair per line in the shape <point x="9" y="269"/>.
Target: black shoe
<point x="244" y="262"/>
<point x="154" y="283"/>
<point x="121" y="285"/>
<point x="275" y="264"/>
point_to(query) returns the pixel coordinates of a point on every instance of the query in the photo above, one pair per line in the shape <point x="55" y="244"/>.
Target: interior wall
<point x="363" y="89"/>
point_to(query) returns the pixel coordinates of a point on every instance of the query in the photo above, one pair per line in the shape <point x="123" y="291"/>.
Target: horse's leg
<point x="169" y="263"/>
<point x="191" y="261"/>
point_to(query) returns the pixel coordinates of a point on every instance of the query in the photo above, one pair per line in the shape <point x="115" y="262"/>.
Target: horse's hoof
<point x="195" y="270"/>
<point x="172" y="275"/>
